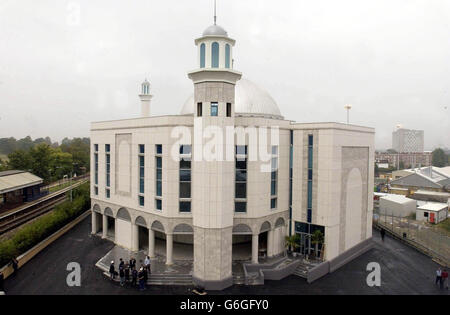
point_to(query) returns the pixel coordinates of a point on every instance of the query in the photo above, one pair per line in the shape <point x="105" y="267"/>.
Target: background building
<point x="407" y="140"/>
<point x="405" y="159"/>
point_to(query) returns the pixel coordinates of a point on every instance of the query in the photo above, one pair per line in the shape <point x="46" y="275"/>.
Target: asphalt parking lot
<point x="403" y="271"/>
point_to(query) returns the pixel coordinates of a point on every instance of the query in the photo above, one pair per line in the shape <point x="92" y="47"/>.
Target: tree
<point x="292" y="241"/>
<point x="42" y="161"/>
<point x="401" y="165"/>
<point x="20" y="160"/>
<point x="60" y="164"/>
<point x="316" y="239"/>
<point x="391" y="151"/>
<point x="439" y="158"/>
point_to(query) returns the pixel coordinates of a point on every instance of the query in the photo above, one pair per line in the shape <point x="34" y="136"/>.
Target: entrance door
<point x="431" y="217"/>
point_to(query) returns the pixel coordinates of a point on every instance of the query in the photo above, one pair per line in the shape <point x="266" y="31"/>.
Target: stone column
<point x="255" y="248"/>
<point x="169" y="249"/>
<point x="151" y="243"/>
<point x="94" y="222"/>
<point x="270" y="247"/>
<point x="134" y="237"/>
<point x="105" y="227"/>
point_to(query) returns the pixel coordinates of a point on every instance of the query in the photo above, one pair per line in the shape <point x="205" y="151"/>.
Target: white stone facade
<point x="336" y="172"/>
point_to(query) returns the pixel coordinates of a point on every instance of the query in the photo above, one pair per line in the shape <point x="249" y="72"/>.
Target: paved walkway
<point x="403" y="271"/>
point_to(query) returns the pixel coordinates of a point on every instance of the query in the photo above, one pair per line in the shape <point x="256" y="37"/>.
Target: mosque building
<point x="229" y="177"/>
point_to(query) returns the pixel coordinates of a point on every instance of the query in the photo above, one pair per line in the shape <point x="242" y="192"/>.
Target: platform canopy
<point x="14" y="180"/>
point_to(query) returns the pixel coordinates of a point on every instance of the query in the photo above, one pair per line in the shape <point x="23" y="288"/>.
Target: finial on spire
<point x="215" y="16"/>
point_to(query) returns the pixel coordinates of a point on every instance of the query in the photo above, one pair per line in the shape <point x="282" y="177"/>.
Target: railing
<point x="418" y="234"/>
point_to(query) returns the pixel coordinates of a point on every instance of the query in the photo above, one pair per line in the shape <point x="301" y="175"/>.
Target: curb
<point x="7" y="270"/>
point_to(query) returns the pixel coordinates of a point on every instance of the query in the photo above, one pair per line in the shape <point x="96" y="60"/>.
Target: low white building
<point x="397" y="205"/>
<point x="432" y="212"/>
<point x="156" y="179"/>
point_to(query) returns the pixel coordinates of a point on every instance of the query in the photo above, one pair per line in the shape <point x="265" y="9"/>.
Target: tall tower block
<point x="213" y="196"/>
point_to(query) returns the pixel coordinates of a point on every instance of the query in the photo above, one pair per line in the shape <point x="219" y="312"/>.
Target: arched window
<point x="227" y="56"/>
<point x="202" y="55"/>
<point x="215" y="55"/>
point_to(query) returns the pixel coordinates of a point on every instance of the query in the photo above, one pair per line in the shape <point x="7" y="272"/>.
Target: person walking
<point x="121" y="264"/>
<point x="134" y="275"/>
<point x="112" y="270"/>
<point x="147" y="263"/>
<point x="382" y="233"/>
<point x="15" y="265"/>
<point x="438" y="276"/>
<point x="122" y="276"/>
<point x="444" y="280"/>
<point x="127" y="273"/>
<point x="141" y="279"/>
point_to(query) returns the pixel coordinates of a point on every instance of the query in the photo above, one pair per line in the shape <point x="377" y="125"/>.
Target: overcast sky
<point x="64" y="64"/>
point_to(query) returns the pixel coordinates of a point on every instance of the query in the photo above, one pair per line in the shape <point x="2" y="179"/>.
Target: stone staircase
<point x="170" y="279"/>
<point x="301" y="271"/>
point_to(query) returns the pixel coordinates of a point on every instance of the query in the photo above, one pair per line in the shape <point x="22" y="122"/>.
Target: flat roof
<point x="433" y="206"/>
<point x="397" y="198"/>
<point x="14" y="180"/>
<point x="432" y="193"/>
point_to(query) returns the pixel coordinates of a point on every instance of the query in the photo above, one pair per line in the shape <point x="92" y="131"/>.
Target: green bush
<point x="43" y="227"/>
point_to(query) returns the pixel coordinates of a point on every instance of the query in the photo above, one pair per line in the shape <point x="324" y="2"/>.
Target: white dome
<point x="215" y="30"/>
<point x="250" y="101"/>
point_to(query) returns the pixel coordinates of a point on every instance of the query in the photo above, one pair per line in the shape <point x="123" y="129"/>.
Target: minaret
<point x="145" y="99"/>
<point x="213" y="195"/>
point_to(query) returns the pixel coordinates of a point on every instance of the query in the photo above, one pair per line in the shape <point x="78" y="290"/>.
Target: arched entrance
<point x="97" y="220"/>
<point x="142" y="231"/>
<point x="263" y="239"/>
<point x="123" y="228"/>
<point x="242" y="243"/>
<point x="109" y="231"/>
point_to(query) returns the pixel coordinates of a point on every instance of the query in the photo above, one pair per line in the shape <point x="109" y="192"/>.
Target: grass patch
<point x="46" y="225"/>
<point x="444" y="226"/>
<point x="58" y="187"/>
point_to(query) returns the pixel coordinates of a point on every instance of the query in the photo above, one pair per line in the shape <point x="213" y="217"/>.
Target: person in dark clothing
<point x="132" y="263"/>
<point x="122" y="276"/>
<point x="112" y="270"/>
<point x="2" y="282"/>
<point x="145" y="274"/>
<point x="121" y="264"/>
<point x="15" y="265"/>
<point x="134" y="275"/>
<point x="382" y="233"/>
<point x="141" y="279"/>
<point x="127" y="273"/>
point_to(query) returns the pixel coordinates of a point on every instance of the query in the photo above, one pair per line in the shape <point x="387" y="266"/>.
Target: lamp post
<point x="348" y="107"/>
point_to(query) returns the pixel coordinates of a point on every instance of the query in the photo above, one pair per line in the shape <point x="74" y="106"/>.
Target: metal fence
<point x="418" y="234"/>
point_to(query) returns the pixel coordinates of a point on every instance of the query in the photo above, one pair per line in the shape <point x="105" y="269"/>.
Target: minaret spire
<point x="215" y="15"/>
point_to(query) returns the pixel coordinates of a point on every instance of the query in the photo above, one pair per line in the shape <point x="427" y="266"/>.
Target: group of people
<point x="129" y="269"/>
<point x="442" y="278"/>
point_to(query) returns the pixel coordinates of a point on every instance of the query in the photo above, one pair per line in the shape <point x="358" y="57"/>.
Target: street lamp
<point x="348" y="107"/>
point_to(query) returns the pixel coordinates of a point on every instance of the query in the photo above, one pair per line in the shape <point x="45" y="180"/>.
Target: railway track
<point x="26" y="213"/>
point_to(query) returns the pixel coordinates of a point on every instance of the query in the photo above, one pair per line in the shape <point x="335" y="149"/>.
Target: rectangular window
<point x="96" y="147"/>
<point x="214" y="109"/>
<point x="310" y="178"/>
<point x="158" y="176"/>
<point x="185" y="149"/>
<point x="274" y="178"/>
<point x="228" y="109"/>
<point x="96" y="190"/>
<point x="141" y="161"/>
<point x="199" y="109"/>
<point x="108" y="194"/>
<point x="185" y="178"/>
<point x="108" y="166"/>
<point x="240" y="186"/>
<point x="96" y="167"/>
